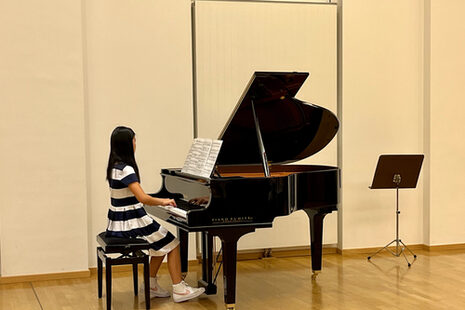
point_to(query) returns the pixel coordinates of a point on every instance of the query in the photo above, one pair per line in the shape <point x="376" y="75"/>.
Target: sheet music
<point x="202" y="157"/>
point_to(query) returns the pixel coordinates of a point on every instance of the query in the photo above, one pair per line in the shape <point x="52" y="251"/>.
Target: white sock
<point x="153" y="282"/>
<point x="179" y="288"/>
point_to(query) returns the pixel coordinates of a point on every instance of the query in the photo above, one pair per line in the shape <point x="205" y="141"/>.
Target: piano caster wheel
<point x="409" y="265"/>
<point x="315" y="274"/>
<point x="414" y="256"/>
<point x="230" y="306"/>
<point x="369" y="257"/>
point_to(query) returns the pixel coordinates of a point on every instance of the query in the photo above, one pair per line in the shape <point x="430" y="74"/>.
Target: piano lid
<point x="291" y="129"/>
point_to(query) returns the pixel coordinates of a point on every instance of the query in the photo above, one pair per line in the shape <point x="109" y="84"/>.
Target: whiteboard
<point x="232" y="39"/>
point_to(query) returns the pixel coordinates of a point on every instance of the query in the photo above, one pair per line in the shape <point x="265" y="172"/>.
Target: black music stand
<point x="397" y="171"/>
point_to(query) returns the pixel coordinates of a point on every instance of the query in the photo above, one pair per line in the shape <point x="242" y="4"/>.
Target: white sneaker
<point x="156" y="290"/>
<point x="182" y="292"/>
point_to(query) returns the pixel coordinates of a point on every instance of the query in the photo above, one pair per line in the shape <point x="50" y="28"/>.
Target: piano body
<point x="253" y="181"/>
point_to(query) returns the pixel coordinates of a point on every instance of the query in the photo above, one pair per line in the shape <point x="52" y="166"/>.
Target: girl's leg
<point x="181" y="290"/>
<point x="155" y="263"/>
<point x="174" y="265"/>
<point x="155" y="289"/>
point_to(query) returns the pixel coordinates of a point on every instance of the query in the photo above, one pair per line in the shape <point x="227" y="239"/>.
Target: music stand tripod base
<point x="397" y="171"/>
<point x="397" y="252"/>
<point x="400" y="246"/>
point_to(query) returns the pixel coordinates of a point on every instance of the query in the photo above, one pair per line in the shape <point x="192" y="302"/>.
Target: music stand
<point x="397" y="171"/>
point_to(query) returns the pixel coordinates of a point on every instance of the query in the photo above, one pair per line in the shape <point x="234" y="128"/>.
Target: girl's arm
<point x="142" y="197"/>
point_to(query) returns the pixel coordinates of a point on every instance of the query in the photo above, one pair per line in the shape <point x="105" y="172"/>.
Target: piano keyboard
<point x="180" y="211"/>
<point x="185" y="205"/>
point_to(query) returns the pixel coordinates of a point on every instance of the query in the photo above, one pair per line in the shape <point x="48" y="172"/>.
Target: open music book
<point x="202" y="156"/>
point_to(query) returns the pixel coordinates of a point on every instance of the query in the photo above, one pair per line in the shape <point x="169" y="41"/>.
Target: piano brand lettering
<point x="234" y="219"/>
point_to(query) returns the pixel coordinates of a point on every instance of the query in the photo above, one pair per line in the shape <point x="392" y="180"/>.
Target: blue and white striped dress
<point x="127" y="217"/>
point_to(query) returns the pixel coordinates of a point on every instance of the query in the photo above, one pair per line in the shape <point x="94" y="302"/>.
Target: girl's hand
<point x="199" y="200"/>
<point x="168" y="202"/>
<point x="149" y="200"/>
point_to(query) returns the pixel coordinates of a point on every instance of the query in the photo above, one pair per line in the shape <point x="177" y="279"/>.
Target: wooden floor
<point x="436" y="280"/>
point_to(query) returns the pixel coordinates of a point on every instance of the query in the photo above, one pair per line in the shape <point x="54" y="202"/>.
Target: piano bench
<point x="130" y="252"/>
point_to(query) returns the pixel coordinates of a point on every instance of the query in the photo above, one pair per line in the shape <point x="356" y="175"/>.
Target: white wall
<point x="445" y="132"/>
<point x="138" y="75"/>
<point x="382" y="113"/>
<point x="235" y="39"/>
<point x="57" y="117"/>
<point x="403" y="80"/>
<point x="43" y="210"/>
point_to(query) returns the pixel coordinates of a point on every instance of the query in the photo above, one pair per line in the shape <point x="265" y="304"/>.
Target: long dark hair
<point x="122" y="149"/>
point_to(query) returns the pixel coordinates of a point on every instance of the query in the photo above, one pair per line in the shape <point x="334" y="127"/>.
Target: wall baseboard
<point x="445" y="247"/>
<point x="282" y="252"/>
<point x="413" y="247"/>
<point x="45" y="276"/>
<point x="241" y="256"/>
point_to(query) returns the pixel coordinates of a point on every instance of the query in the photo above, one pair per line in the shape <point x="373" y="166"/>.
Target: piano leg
<point x="183" y="237"/>
<point x="229" y="240"/>
<point x="316" y="237"/>
<point x="208" y="263"/>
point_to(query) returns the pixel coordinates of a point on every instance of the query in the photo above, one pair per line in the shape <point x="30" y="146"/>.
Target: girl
<point x="128" y="219"/>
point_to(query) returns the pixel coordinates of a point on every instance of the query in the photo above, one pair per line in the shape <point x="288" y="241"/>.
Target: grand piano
<point x="254" y="182"/>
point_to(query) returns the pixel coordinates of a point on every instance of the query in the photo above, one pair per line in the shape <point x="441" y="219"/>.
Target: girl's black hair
<point x="122" y="150"/>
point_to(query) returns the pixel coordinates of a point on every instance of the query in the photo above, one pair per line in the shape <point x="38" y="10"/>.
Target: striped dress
<point x="127" y="217"/>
